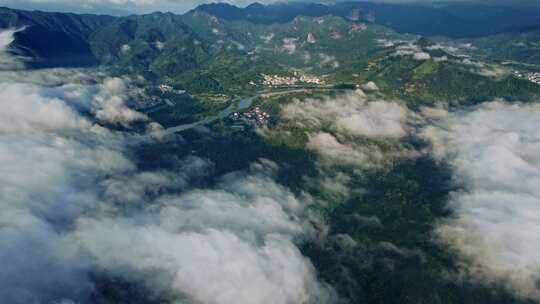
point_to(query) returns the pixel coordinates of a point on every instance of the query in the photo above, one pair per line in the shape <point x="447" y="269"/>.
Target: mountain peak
<point x="222" y="10"/>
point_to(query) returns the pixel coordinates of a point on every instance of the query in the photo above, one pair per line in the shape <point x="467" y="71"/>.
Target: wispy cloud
<point x="76" y="204"/>
<point x="494" y="151"/>
<point x="8" y="59"/>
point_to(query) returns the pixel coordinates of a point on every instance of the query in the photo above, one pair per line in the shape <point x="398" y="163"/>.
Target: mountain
<point x="54" y="39"/>
<point x="456" y="20"/>
<point x="65" y="7"/>
<point x="159" y="42"/>
<point x="341" y="158"/>
<point x="264" y="14"/>
<point x="221" y="49"/>
<point x="521" y="47"/>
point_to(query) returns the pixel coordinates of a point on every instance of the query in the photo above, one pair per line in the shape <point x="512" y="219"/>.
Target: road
<point x="237" y="105"/>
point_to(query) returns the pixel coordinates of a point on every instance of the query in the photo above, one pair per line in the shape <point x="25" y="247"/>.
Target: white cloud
<point x="370" y="87"/>
<point x="494" y="151"/>
<point x="267" y="38"/>
<point x="234" y="243"/>
<point x="211" y="266"/>
<point x="9" y="61"/>
<point x="74" y="203"/>
<point x="49" y="158"/>
<point x="352" y="132"/>
<point x="289" y="45"/>
<point x="125" y="49"/>
<point x="385" y="43"/>
<point x="27" y="111"/>
<point x="327" y="61"/>
<point x="351" y="114"/>
<point x="441" y="59"/>
<point x="421" y="56"/>
<point x="406" y="49"/>
<point x="159" y="45"/>
<point x="330" y="148"/>
<point x="109" y="105"/>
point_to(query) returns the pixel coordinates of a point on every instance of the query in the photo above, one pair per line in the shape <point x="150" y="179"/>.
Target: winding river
<point x="237" y="105"/>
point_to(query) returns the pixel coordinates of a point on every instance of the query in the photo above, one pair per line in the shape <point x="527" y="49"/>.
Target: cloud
<point x="55" y="77"/>
<point x="240" y="234"/>
<point x="73" y="199"/>
<point x="385" y="43"/>
<point x="8" y="60"/>
<point x="49" y="159"/>
<point x="406" y="49"/>
<point x="494" y="152"/>
<point x="289" y="45"/>
<point x="327" y="61"/>
<point x="352" y="114"/>
<point x="211" y="266"/>
<point x="125" y="49"/>
<point x="421" y="56"/>
<point x="31" y="113"/>
<point x="441" y="59"/>
<point x="268" y="37"/>
<point x="329" y="147"/>
<point x="159" y="45"/>
<point x="350" y="134"/>
<point x="109" y="104"/>
<point x="483" y="69"/>
<point x="370" y="87"/>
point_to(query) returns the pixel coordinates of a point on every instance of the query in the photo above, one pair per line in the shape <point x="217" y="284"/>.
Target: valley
<point x="282" y="153"/>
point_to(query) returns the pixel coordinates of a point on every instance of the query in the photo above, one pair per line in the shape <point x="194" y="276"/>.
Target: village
<point x="169" y="89"/>
<point x="153" y="102"/>
<point x="277" y="80"/>
<point x="254" y="117"/>
<point x="532" y="77"/>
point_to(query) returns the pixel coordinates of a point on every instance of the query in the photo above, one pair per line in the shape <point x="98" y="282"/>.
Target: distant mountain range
<point x="62" y="38"/>
<point x="221" y="48"/>
<point x="54" y="39"/>
<point x="455" y="20"/>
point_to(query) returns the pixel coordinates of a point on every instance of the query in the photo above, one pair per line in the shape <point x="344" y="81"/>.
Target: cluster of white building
<point x="358" y="27"/>
<point x="276" y="80"/>
<point x="165" y="88"/>
<point x="254" y="117"/>
<point x="534" y="77"/>
<point x="169" y="89"/>
<point x="311" y="79"/>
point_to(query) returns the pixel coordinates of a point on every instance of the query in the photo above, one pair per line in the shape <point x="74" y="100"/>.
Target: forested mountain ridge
<point x="54" y="39"/>
<point x="223" y="49"/>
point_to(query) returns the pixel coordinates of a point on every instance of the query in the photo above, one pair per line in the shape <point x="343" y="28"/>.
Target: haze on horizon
<point x="123" y="7"/>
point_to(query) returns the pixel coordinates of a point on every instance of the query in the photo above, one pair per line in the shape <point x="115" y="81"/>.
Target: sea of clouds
<point x="76" y="205"/>
<point x="494" y="153"/>
<point x="494" y="150"/>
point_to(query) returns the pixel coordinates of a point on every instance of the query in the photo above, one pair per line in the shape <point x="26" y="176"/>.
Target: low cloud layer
<point x="231" y="244"/>
<point x="352" y="132"/>
<point x="494" y="150"/>
<point x="352" y="114"/>
<point x="50" y="157"/>
<point x="8" y="60"/>
<point x="76" y="207"/>
<point x="349" y="129"/>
